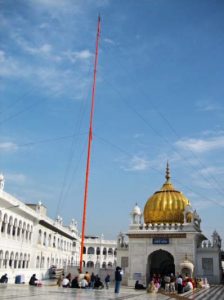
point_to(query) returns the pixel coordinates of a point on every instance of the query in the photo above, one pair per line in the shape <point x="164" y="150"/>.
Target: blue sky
<point x="159" y="97"/>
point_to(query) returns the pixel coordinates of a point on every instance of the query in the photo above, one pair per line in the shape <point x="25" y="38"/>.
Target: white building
<point x="31" y="242"/>
<point x="99" y="253"/>
<point x="169" y="240"/>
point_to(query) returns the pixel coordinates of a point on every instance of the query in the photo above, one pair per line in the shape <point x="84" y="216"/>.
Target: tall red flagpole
<point x="89" y="146"/>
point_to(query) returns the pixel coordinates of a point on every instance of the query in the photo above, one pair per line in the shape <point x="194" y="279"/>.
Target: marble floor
<point x="12" y="291"/>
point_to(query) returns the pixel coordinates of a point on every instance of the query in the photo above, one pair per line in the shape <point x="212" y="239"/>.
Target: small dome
<point x="136" y="210"/>
<point x="166" y="205"/>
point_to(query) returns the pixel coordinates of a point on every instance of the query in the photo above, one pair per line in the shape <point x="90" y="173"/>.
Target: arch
<point x="84" y="250"/>
<point x="27" y="231"/>
<point x="104" y="251"/>
<point x="15" y="224"/>
<point x="91" y="250"/>
<point x="16" y="260"/>
<point x="1" y="258"/>
<point x="4" y="222"/>
<point x="98" y="251"/>
<point x="37" y="262"/>
<point x="24" y="261"/>
<point x="31" y="231"/>
<point x="11" y="259"/>
<point x="186" y="268"/>
<point x="6" y="259"/>
<point x="90" y="264"/>
<point x="20" y="260"/>
<point x="110" y="265"/>
<point x="49" y="240"/>
<point x="45" y="239"/>
<point x="48" y="262"/>
<point x="110" y="251"/>
<point x="10" y="223"/>
<point x="39" y="236"/>
<point x="28" y="261"/>
<point x="83" y="263"/>
<point x="104" y="265"/>
<point x="24" y="229"/>
<point x="42" y="263"/>
<point x="19" y="228"/>
<point x="160" y="262"/>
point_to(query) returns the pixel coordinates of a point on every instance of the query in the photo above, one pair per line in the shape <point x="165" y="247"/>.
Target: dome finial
<point x="167" y="171"/>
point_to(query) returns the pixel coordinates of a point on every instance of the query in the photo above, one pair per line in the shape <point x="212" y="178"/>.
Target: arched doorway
<point x="160" y="262"/>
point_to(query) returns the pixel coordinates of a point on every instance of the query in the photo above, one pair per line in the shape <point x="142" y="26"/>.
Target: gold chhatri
<point x="166" y="205"/>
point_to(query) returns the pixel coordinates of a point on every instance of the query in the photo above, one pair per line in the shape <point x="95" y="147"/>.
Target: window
<point x="40" y="237"/>
<point x="207" y="266"/>
<point x="110" y="251"/>
<point x="90" y="264"/>
<point x="91" y="250"/>
<point x="37" y="262"/>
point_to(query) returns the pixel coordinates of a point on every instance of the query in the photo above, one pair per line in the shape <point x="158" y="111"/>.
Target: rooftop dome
<point x="166" y="205"/>
<point x="136" y="210"/>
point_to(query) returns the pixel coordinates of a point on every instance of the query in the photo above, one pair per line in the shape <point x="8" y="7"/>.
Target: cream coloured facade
<point x="168" y="240"/>
<point x="99" y="253"/>
<point x="31" y="242"/>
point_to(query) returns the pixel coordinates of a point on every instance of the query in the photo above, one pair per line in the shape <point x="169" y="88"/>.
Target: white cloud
<point x="44" y="49"/>
<point x="137" y="163"/>
<point x="15" y="178"/>
<point x="109" y="41"/>
<point x="8" y="66"/>
<point x="79" y="55"/>
<point x="201" y="145"/>
<point x="212" y="171"/>
<point x="8" y="147"/>
<point x="138" y="135"/>
<point x="208" y="105"/>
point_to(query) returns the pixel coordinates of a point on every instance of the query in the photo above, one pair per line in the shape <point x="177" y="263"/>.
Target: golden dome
<point x="166" y="205"/>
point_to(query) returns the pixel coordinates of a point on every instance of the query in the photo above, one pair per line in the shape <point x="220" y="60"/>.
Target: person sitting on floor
<point x="75" y="283"/>
<point x="98" y="283"/>
<point x="34" y="281"/>
<point x="188" y="287"/>
<point x="139" y="286"/>
<point x="84" y="283"/>
<point x="65" y="282"/>
<point x="4" y="279"/>
<point x="152" y="288"/>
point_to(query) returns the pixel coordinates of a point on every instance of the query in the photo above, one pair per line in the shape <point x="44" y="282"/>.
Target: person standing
<point x="107" y="281"/>
<point x="118" y="279"/>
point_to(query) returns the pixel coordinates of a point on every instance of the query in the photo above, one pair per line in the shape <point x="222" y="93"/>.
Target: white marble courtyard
<point x="13" y="291"/>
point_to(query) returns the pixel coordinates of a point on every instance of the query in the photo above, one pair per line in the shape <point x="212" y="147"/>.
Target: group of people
<point x="172" y="284"/>
<point x="83" y="281"/>
<point x="93" y="281"/>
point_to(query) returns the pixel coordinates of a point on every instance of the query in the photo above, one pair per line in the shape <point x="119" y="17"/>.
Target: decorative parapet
<point x="161" y="226"/>
<point x="167" y="227"/>
<point x="121" y="241"/>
